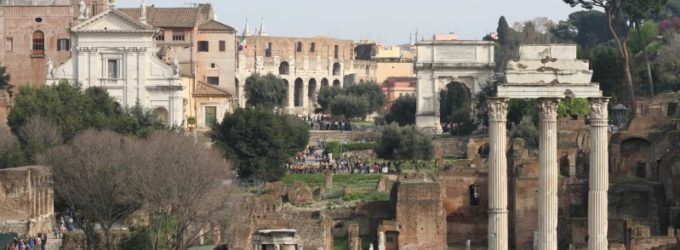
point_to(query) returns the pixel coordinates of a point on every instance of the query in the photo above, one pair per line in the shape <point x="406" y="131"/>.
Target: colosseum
<point x="306" y="64"/>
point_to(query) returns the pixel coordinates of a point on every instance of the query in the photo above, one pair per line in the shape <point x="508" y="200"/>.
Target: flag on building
<point x="243" y="44"/>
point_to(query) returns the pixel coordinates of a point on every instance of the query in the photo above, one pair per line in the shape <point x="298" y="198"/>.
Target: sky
<point x="385" y="21"/>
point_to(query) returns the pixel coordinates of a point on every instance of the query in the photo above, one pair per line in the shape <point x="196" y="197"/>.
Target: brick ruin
<point x="27" y="196"/>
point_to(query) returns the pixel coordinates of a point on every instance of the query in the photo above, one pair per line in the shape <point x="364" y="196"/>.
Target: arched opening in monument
<point x="634" y="151"/>
<point x="324" y="82"/>
<point x="162" y="114"/>
<point x="336" y="69"/>
<point x="299" y="92"/>
<point x="284" y="68"/>
<point x="455" y="108"/>
<point x="368" y="70"/>
<point x="311" y="92"/>
<point x="473" y="191"/>
<point x="564" y="165"/>
<point x="287" y="88"/>
<point x="336" y="83"/>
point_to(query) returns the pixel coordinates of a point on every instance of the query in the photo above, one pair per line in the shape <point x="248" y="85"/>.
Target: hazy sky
<point x="386" y="21"/>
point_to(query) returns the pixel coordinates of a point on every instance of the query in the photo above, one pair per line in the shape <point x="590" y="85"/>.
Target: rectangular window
<point x="112" y="69"/>
<point x="210" y="116"/>
<point x="178" y="35"/>
<point x="268" y="50"/>
<point x="312" y="47"/>
<point x="160" y="36"/>
<point x="223" y="46"/>
<point x="203" y="46"/>
<point x="213" y="80"/>
<point x="336" y="51"/>
<point x="9" y="44"/>
<point x="298" y="48"/>
<point x="63" y="44"/>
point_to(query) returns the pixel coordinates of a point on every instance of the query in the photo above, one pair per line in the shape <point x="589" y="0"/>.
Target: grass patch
<point x="373" y="196"/>
<point x="343" y="244"/>
<point x="363" y="185"/>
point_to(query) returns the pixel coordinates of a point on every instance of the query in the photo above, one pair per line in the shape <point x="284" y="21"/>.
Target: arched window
<point x="38" y="43"/>
<point x="336" y="69"/>
<point x="284" y="68"/>
<point x="162" y="114"/>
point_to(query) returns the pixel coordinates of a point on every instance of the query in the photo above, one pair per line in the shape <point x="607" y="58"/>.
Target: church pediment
<point x="204" y="89"/>
<point x="112" y="20"/>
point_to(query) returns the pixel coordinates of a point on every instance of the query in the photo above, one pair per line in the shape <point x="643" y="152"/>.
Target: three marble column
<point x="548" y="182"/>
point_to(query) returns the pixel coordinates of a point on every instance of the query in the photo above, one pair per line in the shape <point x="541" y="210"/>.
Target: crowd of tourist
<point x="341" y="166"/>
<point x="29" y="243"/>
<point x="320" y="122"/>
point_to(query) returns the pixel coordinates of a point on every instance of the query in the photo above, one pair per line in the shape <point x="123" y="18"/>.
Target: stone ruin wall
<point x="27" y="197"/>
<point x="420" y="215"/>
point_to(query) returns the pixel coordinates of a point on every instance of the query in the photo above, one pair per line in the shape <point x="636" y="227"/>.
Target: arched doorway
<point x="284" y="68"/>
<point x="455" y="103"/>
<point x="162" y="114"/>
<point x="312" y="92"/>
<point x="336" y="83"/>
<point x="336" y="69"/>
<point x="299" y="92"/>
<point x="324" y="82"/>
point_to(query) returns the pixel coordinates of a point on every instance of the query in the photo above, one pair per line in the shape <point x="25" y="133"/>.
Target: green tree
<point x="404" y="144"/>
<point x="643" y="43"/>
<point x="586" y="28"/>
<point x="508" y="45"/>
<point x="326" y="95"/>
<point x="269" y="91"/>
<point x="632" y="11"/>
<point x="71" y="109"/>
<point x="403" y="111"/>
<point x="4" y="79"/>
<point x="372" y="92"/>
<point x="573" y="106"/>
<point x="350" y="106"/>
<point x="260" y="142"/>
<point x="608" y="71"/>
<point x="138" y="121"/>
<point x="456" y="106"/>
<point x="10" y="149"/>
<point x="668" y="62"/>
<point x="527" y="131"/>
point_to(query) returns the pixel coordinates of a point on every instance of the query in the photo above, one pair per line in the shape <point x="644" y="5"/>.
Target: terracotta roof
<point x="215" y="25"/>
<point x="204" y="89"/>
<point x="167" y="17"/>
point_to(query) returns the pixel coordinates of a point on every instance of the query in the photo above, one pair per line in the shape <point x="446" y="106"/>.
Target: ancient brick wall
<point x="453" y="147"/>
<point x="466" y="217"/>
<point x="420" y="215"/>
<point x="27" y="198"/>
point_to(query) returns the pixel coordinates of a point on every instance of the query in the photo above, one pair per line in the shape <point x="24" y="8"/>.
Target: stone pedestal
<point x="599" y="175"/>
<point x="547" y="174"/>
<point x="498" y="182"/>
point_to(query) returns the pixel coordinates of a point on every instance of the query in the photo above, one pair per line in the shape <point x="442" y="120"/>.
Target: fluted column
<point x="599" y="175"/>
<point x="498" y="181"/>
<point x="547" y="174"/>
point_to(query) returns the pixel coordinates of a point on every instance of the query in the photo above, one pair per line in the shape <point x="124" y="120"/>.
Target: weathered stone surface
<point x="299" y="194"/>
<point x="317" y="194"/>
<point x="26" y="195"/>
<point x="276" y="188"/>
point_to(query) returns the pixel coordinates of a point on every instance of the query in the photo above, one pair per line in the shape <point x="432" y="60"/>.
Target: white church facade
<point x="117" y="52"/>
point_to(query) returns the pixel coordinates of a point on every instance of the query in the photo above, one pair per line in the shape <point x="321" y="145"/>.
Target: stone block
<point x="299" y="194"/>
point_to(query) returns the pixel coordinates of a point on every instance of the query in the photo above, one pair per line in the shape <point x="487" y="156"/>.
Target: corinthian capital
<point x="598" y="108"/>
<point x="498" y="109"/>
<point x="548" y="108"/>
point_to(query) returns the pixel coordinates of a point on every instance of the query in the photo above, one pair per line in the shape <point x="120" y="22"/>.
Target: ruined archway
<point x="336" y="69"/>
<point x="324" y="82"/>
<point x="299" y="92"/>
<point x="312" y="91"/>
<point x="455" y="106"/>
<point x="336" y="83"/>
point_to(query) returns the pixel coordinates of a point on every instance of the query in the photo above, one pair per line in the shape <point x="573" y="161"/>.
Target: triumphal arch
<point x="548" y="73"/>
<point x="442" y="62"/>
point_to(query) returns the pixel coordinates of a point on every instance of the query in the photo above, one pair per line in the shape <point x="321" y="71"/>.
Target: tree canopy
<point x="350" y="106"/>
<point x="353" y="101"/>
<point x="260" y="142"/>
<point x="4" y="78"/>
<point x="266" y="90"/>
<point x="404" y="144"/>
<point x="403" y="111"/>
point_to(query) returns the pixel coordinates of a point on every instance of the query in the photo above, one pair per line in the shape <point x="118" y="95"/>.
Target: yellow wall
<point x="393" y="69"/>
<point x="392" y="52"/>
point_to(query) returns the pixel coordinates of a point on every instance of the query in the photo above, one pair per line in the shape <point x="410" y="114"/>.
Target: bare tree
<point x="38" y="135"/>
<point x="183" y="182"/>
<point x="91" y="174"/>
<point x="9" y="147"/>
